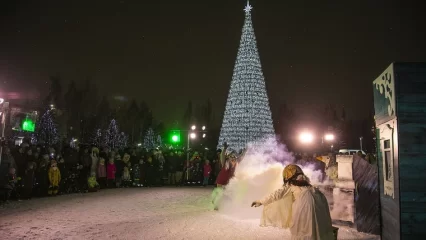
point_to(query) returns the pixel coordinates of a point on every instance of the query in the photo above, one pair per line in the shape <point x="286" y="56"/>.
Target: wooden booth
<point x="400" y="114"/>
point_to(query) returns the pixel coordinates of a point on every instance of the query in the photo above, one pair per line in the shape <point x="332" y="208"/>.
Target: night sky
<point x="168" y="52"/>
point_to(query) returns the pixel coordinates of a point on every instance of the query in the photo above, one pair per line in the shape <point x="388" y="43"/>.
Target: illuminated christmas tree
<point x="97" y="138"/>
<point x="247" y="116"/>
<point x="150" y="140"/>
<point x="47" y="131"/>
<point x="113" y="138"/>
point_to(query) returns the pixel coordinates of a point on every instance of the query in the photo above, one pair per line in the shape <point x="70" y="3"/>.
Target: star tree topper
<point x="248" y="8"/>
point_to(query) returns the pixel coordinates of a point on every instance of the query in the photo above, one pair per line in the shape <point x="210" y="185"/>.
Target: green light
<point x="175" y="137"/>
<point x="28" y="125"/>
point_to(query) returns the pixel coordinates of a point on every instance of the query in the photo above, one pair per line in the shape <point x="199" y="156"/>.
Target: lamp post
<point x="328" y="137"/>
<point x="4" y="106"/>
<point x="192" y="134"/>
<point x="360" y="142"/>
<point x="306" y="137"/>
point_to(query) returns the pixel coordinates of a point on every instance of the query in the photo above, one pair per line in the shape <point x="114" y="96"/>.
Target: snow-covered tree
<point x="247" y="116"/>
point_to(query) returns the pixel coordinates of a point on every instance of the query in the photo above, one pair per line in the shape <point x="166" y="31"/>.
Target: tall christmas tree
<point x="247" y="115"/>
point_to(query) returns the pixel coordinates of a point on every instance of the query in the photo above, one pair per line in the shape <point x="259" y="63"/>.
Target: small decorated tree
<point x="47" y="131"/>
<point x="150" y="140"/>
<point x="113" y="138"/>
<point x="97" y="137"/>
<point x="159" y="140"/>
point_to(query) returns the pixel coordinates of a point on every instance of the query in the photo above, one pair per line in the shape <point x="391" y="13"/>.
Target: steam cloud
<point x="256" y="176"/>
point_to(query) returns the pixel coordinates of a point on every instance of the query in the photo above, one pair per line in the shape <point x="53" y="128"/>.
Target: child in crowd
<point x="92" y="184"/>
<point x="127" y="181"/>
<point x="119" y="167"/>
<point x="42" y="180"/>
<point x="206" y="173"/>
<point x="102" y="173"/>
<point x="29" y="180"/>
<point x="111" y="169"/>
<point x="136" y="175"/>
<point x="149" y="172"/>
<point x="64" y="174"/>
<point x="10" y="187"/>
<point x="54" y="178"/>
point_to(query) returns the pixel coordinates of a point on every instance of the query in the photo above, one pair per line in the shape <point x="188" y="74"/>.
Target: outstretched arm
<point x="275" y="196"/>
<point x="222" y="155"/>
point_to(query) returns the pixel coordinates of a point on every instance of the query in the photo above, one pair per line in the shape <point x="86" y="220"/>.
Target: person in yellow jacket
<point x="54" y="178"/>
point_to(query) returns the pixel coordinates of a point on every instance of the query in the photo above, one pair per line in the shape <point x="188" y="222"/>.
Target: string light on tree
<point x="247" y="116"/>
<point x="150" y="140"/>
<point x="113" y="138"/>
<point x="47" y="131"/>
<point x="97" y="138"/>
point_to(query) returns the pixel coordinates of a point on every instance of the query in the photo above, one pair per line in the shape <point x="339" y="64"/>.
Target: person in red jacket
<point x="111" y="169"/>
<point x="206" y="172"/>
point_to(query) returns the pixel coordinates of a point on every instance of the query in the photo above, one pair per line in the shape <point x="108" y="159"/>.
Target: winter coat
<point x="92" y="183"/>
<point x="94" y="166"/>
<point x="63" y="169"/>
<point x="42" y="176"/>
<point x="86" y="160"/>
<point x="126" y="175"/>
<point x="29" y="178"/>
<point x="111" y="169"/>
<point x="119" y="164"/>
<point x="207" y="170"/>
<point x="101" y="171"/>
<point x="54" y="176"/>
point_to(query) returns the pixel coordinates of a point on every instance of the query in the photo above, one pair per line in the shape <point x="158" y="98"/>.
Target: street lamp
<point x="192" y="135"/>
<point x="306" y="137"/>
<point x="328" y="137"/>
<point x="360" y="142"/>
<point x="4" y="107"/>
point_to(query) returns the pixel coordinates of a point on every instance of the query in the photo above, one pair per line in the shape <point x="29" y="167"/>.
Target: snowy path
<point x="155" y="213"/>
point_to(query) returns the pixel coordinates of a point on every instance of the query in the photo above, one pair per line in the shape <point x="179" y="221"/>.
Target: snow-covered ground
<point x="135" y="213"/>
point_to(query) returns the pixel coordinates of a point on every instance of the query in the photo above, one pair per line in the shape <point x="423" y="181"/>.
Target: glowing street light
<point x="329" y="137"/>
<point x="192" y="135"/>
<point x="306" y="137"/>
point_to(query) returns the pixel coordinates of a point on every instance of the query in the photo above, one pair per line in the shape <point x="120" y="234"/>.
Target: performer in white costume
<point x="298" y="206"/>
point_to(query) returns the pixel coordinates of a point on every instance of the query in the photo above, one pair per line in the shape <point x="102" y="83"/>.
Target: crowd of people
<point x="28" y="171"/>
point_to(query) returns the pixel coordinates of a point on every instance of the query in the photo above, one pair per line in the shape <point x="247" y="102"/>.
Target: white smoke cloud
<point x="256" y="176"/>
